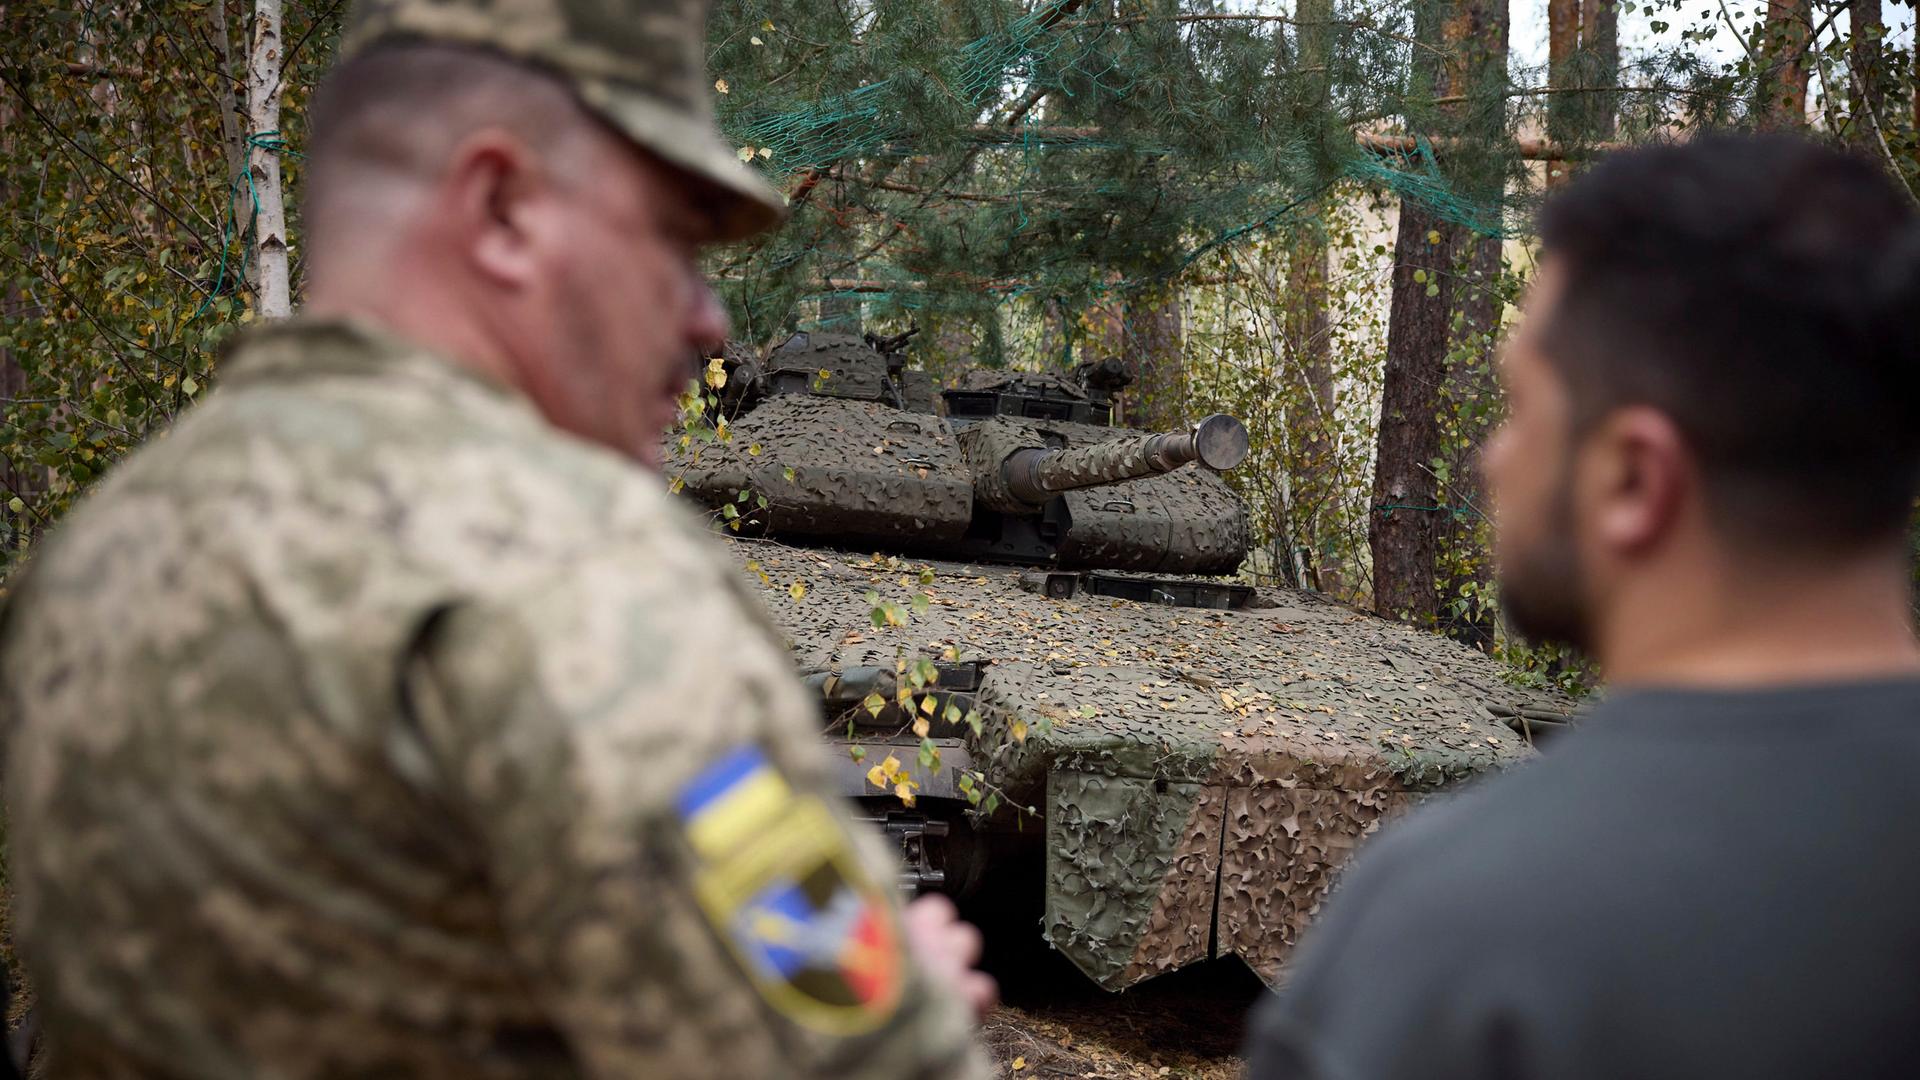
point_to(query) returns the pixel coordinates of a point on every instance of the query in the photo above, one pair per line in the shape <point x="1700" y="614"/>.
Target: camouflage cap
<point x="637" y="64"/>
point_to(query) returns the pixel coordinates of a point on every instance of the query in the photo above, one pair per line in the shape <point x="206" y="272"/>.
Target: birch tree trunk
<point x="1306" y="330"/>
<point x="274" y="296"/>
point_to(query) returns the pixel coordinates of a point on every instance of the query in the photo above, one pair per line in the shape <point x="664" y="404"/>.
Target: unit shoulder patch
<point x="776" y="876"/>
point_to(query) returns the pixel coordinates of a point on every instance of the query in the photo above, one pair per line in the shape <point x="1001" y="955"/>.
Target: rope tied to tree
<point x="272" y="142"/>
<point x="1462" y="512"/>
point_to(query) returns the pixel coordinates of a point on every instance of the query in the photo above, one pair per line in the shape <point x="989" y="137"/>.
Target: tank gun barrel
<point x="1033" y="476"/>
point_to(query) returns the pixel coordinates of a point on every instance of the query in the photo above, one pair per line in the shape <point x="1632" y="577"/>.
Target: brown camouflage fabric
<point x="352" y="729"/>
<point x="640" y="65"/>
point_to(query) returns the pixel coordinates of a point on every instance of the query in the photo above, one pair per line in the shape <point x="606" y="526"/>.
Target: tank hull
<point x="1199" y="775"/>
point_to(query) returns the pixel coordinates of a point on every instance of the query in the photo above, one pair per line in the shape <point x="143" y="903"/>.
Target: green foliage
<point x="958" y="158"/>
<point x="122" y="257"/>
<point x="1305" y="388"/>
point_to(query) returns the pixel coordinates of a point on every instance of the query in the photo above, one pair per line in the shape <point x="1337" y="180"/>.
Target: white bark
<point x="274" y="296"/>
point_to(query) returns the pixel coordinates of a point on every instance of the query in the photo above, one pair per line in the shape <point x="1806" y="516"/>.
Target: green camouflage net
<point x="951" y="157"/>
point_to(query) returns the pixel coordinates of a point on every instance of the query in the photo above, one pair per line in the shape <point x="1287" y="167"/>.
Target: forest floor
<point x="1055" y="1023"/>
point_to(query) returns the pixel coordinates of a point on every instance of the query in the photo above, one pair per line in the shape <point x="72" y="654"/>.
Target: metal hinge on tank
<point x="1175" y="592"/>
<point x="843" y="694"/>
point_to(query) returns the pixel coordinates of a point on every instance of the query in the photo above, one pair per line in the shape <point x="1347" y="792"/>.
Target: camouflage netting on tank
<point x="1176" y="754"/>
<point x="951" y="157"/>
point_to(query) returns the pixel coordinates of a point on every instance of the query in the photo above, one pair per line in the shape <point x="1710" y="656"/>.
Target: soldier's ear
<point x="491" y="192"/>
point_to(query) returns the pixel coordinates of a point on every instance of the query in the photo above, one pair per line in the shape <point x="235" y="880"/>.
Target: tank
<point x="1046" y="687"/>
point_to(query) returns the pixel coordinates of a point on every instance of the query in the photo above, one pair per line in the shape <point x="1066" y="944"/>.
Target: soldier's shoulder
<point x="333" y="455"/>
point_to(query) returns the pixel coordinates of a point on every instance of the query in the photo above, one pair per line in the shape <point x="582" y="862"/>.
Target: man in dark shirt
<point x="1704" y="481"/>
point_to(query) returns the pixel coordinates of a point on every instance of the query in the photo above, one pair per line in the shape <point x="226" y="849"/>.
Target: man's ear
<point x="1641" y="476"/>
<point x="490" y="190"/>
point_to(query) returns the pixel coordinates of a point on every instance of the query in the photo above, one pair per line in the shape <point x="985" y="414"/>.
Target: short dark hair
<point x="1764" y="292"/>
<point x="400" y="104"/>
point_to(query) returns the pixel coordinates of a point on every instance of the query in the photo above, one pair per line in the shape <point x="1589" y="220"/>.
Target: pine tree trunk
<point x="1153" y="327"/>
<point x="1600" y="46"/>
<point x="1478" y="37"/>
<point x="1563" y="41"/>
<point x="274" y="299"/>
<point x="1401" y="532"/>
<point x="1054" y="341"/>
<point x="1470" y="385"/>
<point x="1782" y="85"/>
<point x="1868" y="90"/>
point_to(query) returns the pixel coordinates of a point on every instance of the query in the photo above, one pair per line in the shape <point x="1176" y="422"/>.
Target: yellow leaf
<point x="766" y="152"/>
<point x="716" y="373"/>
<point x="745" y="153"/>
<point x="767" y="25"/>
<point x="926" y="705"/>
<point x="922" y="726"/>
<point x="876" y="777"/>
<point x="720" y="85"/>
<point x="1019" y="729"/>
<point x="904" y="789"/>
<point x="797" y="590"/>
<point x="890" y="768"/>
<point x="755" y="39"/>
<point x="1019" y="1063"/>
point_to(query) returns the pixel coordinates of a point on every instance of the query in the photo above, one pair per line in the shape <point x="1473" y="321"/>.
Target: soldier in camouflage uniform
<point x="383" y="717"/>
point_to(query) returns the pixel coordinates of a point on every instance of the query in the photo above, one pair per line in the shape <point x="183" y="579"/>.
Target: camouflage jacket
<point x="365" y="724"/>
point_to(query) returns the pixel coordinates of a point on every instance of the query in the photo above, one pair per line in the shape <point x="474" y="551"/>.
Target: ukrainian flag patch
<point x="777" y="878"/>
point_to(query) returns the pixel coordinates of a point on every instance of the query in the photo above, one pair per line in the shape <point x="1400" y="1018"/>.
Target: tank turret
<point x="850" y="448"/>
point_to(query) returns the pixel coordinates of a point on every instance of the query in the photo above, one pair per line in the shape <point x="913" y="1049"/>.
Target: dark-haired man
<point x="1704" y="478"/>
<point x="388" y="718"/>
